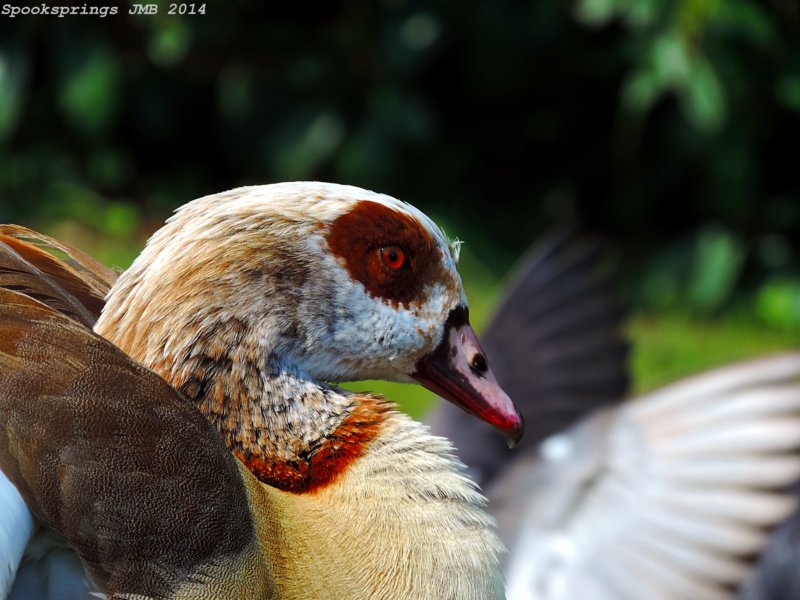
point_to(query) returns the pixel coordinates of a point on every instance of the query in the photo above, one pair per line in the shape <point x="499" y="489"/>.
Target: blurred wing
<point x="677" y="491"/>
<point x="111" y="457"/>
<point x="62" y="277"/>
<point x="556" y="347"/>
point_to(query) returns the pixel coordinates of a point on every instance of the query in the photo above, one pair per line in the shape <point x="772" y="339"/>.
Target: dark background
<point x="669" y="126"/>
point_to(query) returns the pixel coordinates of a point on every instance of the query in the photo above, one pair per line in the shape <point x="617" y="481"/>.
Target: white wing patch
<point x="34" y="566"/>
<point x="51" y="572"/>
<point x="16" y="528"/>
<point x="666" y="497"/>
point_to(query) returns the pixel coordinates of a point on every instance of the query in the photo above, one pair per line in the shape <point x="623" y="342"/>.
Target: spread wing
<point x="110" y="456"/>
<point x="676" y="491"/>
<point x="62" y="277"/>
<point x="556" y="347"/>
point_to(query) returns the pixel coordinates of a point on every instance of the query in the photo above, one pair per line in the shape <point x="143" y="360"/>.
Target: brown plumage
<point x="92" y="475"/>
<point x="75" y="285"/>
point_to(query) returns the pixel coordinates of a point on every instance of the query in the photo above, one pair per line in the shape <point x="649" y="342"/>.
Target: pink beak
<point x="458" y="371"/>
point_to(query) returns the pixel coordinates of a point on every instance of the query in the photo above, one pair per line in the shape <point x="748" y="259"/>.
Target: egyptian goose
<point x="244" y="305"/>
<point x="667" y="497"/>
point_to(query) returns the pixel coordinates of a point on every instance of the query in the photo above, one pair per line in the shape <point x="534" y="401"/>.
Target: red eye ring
<point x="393" y="257"/>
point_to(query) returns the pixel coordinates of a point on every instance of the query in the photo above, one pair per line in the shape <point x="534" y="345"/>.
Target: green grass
<point x="667" y="347"/>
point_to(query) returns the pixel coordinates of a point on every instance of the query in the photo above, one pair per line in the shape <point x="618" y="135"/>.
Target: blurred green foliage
<point x="669" y="346"/>
<point x="670" y="125"/>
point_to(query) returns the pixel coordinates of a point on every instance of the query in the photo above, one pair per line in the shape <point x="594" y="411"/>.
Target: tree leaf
<point x="90" y="90"/>
<point x="717" y="264"/>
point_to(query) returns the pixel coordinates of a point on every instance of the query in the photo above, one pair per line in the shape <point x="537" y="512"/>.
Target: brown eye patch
<point x="389" y="252"/>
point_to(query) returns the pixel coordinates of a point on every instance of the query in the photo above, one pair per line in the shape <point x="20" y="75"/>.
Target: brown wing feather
<point x="20" y="275"/>
<point x="77" y="273"/>
<point x="108" y="454"/>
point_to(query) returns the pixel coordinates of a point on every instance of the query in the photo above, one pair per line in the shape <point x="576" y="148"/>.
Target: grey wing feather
<point x="680" y="487"/>
<point x="777" y="573"/>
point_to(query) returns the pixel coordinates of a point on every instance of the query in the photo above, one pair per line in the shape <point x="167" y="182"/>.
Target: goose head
<point x="305" y="281"/>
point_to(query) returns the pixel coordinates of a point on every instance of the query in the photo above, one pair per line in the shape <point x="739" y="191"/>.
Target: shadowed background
<point x="670" y="126"/>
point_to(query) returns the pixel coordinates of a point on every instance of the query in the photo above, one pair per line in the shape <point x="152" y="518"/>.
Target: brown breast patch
<point x="321" y="466"/>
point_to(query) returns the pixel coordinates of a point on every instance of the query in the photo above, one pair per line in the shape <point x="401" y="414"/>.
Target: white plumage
<point x="16" y="528"/>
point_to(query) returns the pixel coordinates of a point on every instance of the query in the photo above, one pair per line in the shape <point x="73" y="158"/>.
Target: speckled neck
<point x="276" y="419"/>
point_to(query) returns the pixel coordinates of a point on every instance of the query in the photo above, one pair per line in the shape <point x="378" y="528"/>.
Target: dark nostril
<point x="479" y="365"/>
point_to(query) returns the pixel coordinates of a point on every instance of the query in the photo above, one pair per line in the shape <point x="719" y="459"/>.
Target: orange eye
<point x="393" y="257"/>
